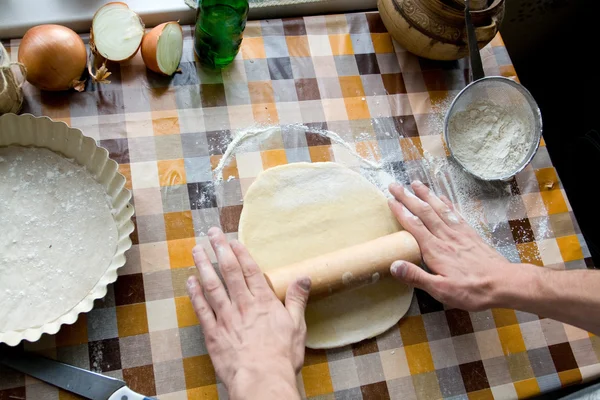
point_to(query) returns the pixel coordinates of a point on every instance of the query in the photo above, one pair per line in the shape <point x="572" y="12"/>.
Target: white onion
<point x="162" y="48"/>
<point x="116" y="32"/>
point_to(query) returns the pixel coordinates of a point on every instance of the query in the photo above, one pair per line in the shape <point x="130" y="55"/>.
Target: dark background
<point x="554" y="47"/>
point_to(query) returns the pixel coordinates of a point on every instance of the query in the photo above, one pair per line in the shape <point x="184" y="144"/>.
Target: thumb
<point x="296" y="298"/>
<point x="413" y="275"/>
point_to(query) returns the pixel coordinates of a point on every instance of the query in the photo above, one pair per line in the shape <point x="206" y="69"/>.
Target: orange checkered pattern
<point x="338" y="72"/>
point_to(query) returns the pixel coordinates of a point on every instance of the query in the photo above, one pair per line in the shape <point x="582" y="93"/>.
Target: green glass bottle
<point x="219" y="29"/>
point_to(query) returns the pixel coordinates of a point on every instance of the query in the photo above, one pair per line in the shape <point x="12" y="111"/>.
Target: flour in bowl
<point x="490" y="140"/>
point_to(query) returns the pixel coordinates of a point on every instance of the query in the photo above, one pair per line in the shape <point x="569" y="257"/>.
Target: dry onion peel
<point x="55" y="57"/>
<point x="162" y="48"/>
<point x="116" y="32"/>
<point x="99" y="63"/>
<point x="101" y="74"/>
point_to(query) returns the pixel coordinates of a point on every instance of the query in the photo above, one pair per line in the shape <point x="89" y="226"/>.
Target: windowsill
<point x="16" y="16"/>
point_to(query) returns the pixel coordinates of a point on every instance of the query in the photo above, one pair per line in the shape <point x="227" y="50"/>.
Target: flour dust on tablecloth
<point x="441" y="174"/>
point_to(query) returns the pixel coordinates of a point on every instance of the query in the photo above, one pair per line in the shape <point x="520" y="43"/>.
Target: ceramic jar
<point x="435" y="29"/>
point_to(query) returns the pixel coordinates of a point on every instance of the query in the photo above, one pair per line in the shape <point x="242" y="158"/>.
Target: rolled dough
<point x="57" y="236"/>
<point x="301" y="210"/>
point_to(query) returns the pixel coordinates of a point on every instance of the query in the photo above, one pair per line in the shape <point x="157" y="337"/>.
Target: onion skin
<point x="55" y="57"/>
<point x="150" y="44"/>
<point x="93" y="45"/>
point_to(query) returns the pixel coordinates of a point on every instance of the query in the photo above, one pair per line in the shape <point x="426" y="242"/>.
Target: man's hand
<point x="466" y="269"/>
<point x="469" y="274"/>
<point x="256" y="343"/>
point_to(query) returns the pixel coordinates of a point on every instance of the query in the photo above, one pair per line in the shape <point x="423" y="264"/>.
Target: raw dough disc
<point x="57" y="236"/>
<point x="301" y="210"/>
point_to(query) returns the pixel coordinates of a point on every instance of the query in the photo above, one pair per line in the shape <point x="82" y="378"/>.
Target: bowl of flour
<point x="493" y="128"/>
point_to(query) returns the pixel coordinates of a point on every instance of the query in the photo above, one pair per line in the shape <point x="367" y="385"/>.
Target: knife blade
<point x="76" y="380"/>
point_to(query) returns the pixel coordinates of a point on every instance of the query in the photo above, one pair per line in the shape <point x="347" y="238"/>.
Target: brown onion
<point x="162" y="48"/>
<point x="54" y="56"/>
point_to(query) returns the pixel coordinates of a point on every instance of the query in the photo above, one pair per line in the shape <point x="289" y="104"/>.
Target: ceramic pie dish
<point x="71" y="174"/>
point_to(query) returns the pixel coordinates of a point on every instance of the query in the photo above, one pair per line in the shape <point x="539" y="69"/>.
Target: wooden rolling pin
<point x="347" y="268"/>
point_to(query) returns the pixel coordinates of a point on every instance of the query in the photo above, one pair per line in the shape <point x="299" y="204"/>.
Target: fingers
<point x="255" y="279"/>
<point x="414" y="275"/>
<point x="447" y="202"/>
<point x="215" y="292"/>
<point x="229" y="266"/>
<point x="410" y="222"/>
<point x="203" y="310"/>
<point x="457" y="220"/>
<point x="442" y="209"/>
<point x="422" y="209"/>
<point x="296" y="298"/>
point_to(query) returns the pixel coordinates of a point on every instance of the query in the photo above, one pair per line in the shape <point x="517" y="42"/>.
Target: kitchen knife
<point x="85" y="383"/>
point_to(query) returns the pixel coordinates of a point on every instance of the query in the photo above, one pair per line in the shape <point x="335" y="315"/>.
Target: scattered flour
<point x="241" y="140"/>
<point x="490" y="140"/>
<point x="375" y="277"/>
<point x="235" y="144"/>
<point x="347" y="278"/>
<point x="486" y="206"/>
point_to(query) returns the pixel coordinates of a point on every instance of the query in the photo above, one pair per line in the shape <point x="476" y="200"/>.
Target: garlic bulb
<point x="11" y="94"/>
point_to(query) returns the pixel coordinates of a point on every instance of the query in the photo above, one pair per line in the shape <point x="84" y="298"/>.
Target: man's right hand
<point x="467" y="271"/>
<point x="469" y="274"/>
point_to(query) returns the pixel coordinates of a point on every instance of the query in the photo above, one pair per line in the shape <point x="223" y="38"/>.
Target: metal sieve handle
<point x="476" y="66"/>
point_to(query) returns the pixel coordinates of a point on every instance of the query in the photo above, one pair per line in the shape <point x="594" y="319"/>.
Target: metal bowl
<point x="503" y="91"/>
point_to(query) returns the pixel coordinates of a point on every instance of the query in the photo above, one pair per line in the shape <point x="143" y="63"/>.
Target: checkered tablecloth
<point x="338" y="72"/>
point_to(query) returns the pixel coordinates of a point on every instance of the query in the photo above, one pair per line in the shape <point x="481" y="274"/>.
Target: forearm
<point x="572" y="297"/>
<point x="265" y="383"/>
